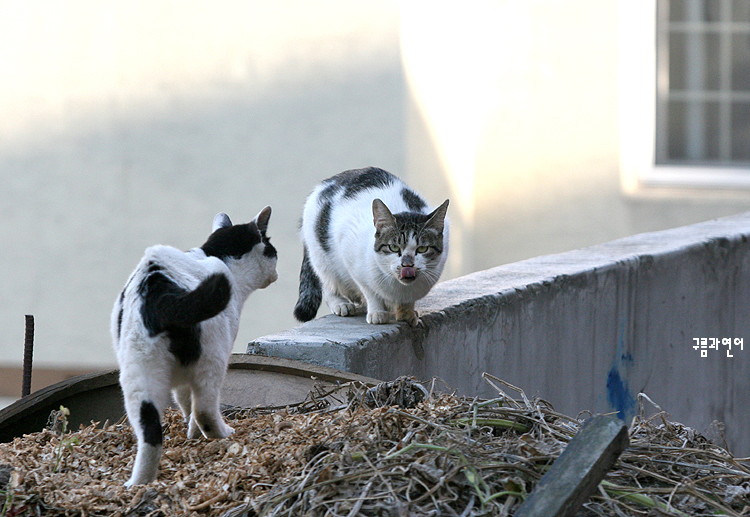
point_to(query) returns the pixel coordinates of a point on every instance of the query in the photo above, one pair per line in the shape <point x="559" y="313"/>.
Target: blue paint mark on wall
<point x="618" y="391"/>
<point x="618" y="395"/>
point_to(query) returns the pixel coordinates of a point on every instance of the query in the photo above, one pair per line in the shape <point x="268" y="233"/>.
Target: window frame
<point x="638" y="109"/>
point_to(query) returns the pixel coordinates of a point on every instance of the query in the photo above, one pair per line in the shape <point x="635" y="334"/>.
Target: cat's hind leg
<point x="340" y="304"/>
<point x="206" y="416"/>
<point x="145" y="400"/>
<point x="182" y="397"/>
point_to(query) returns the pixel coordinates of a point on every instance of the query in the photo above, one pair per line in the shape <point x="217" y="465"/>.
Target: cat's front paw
<point x="409" y="316"/>
<point x="344" y="309"/>
<point x="378" y="317"/>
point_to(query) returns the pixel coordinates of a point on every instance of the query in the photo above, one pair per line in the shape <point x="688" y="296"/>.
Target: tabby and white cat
<point x="174" y="325"/>
<point x="370" y="243"/>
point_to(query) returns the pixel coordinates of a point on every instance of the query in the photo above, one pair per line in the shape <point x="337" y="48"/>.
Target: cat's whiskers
<point x="430" y="274"/>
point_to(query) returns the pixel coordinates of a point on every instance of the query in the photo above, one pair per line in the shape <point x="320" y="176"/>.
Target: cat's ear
<point x="221" y="220"/>
<point x="437" y="217"/>
<point x="381" y="216"/>
<point x="262" y="219"/>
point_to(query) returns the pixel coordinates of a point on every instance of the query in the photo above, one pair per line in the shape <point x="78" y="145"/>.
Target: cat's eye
<point x="423" y="249"/>
<point x="393" y="248"/>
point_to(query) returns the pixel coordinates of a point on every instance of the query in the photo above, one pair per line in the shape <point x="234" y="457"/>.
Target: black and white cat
<point x="370" y="243"/>
<point x="174" y="325"/>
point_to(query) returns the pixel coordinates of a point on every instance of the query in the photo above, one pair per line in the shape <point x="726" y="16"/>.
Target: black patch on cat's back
<point x="120" y="313"/>
<point x="156" y="291"/>
<point x="412" y="200"/>
<point x="352" y="182"/>
<point x="233" y="241"/>
<point x="120" y="303"/>
<point x="150" y="424"/>
<point x="358" y="180"/>
<point x="323" y="223"/>
<point x="322" y="226"/>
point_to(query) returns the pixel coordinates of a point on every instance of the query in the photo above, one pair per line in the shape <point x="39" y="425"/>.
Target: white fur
<point x="367" y="280"/>
<point x="148" y="370"/>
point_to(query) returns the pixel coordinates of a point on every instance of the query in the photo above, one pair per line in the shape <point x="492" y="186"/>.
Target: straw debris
<point x="398" y="449"/>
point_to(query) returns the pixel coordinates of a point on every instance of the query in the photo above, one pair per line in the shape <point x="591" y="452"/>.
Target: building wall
<point x="128" y="124"/>
<point x="518" y="104"/>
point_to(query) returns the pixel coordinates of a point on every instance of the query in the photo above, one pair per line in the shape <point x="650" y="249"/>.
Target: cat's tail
<point x="310" y="293"/>
<point x="166" y="304"/>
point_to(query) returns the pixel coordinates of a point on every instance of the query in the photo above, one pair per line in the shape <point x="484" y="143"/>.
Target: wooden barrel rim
<point x="96" y="380"/>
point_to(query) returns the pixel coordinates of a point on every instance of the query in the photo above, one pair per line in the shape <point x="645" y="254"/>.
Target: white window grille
<point x="697" y="95"/>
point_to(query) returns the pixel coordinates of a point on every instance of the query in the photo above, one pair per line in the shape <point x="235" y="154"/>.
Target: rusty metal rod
<point x="28" y="355"/>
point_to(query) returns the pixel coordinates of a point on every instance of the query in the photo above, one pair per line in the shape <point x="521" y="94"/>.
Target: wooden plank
<point x="575" y="475"/>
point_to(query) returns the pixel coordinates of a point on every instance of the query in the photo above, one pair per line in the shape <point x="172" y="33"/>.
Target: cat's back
<point x="360" y="186"/>
<point x="169" y="286"/>
<point x="342" y="204"/>
<point x="187" y="268"/>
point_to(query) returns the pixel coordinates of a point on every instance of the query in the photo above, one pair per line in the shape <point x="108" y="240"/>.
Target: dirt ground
<point x="397" y="449"/>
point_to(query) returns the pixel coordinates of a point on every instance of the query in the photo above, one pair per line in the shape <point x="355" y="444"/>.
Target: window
<point x="697" y="95"/>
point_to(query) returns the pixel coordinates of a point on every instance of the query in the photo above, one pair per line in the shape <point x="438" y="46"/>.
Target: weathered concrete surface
<point x="586" y="330"/>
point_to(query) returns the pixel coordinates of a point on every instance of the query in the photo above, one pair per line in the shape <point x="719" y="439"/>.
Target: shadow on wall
<point x="81" y="202"/>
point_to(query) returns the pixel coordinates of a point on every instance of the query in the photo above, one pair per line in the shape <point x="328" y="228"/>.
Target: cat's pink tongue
<point x="408" y="272"/>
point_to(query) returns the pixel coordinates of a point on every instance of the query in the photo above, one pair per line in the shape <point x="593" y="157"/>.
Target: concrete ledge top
<point x="325" y="340"/>
<point x="322" y="341"/>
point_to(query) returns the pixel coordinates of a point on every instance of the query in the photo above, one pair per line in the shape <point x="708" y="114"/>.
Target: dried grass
<point x="350" y="452"/>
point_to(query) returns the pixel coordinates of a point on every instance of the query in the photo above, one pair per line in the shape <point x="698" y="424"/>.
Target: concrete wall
<point x="587" y="330"/>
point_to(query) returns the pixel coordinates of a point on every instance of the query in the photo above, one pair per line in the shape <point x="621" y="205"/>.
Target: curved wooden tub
<point x="251" y="381"/>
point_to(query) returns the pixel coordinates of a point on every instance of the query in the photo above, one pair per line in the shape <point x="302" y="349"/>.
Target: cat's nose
<point x="407" y="261"/>
<point x="271" y="279"/>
